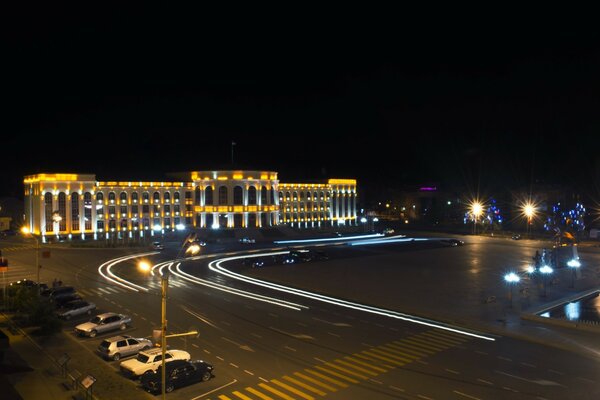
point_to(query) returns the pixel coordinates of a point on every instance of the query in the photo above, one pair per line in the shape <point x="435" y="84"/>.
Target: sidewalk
<point x="31" y="366"/>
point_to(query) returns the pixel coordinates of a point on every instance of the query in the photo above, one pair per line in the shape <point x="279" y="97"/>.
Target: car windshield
<point x="96" y="320"/>
<point x="105" y="344"/>
<point x="142" y="358"/>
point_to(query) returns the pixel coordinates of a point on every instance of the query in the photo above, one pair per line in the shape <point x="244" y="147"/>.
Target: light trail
<point x="334" y="239"/>
<point x="110" y="276"/>
<point x="216" y="267"/>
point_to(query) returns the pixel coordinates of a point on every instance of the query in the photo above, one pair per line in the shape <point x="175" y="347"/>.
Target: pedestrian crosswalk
<point x="335" y="375"/>
<point x="108" y="290"/>
<point x="17" y="248"/>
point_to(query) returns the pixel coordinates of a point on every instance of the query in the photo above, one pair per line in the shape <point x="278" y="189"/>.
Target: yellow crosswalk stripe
<point x="347" y="364"/>
<point x="354" y="360"/>
<point x="393" y="356"/>
<point x="275" y="391"/>
<point x="304" y="385"/>
<point x="259" y="394"/>
<point x="405" y="347"/>
<point x="429" y="344"/>
<point x="242" y="396"/>
<point x="223" y="397"/>
<point x="327" y="378"/>
<point x="346" y="370"/>
<point x="445" y="338"/>
<point x="292" y="389"/>
<point x="373" y="359"/>
<point x="438" y="341"/>
<point x="417" y="345"/>
<point x="330" y="372"/>
<point x="402" y="353"/>
<point x="369" y="353"/>
<point x="315" y="382"/>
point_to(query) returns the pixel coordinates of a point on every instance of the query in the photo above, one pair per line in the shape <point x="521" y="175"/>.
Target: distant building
<point x="77" y="204"/>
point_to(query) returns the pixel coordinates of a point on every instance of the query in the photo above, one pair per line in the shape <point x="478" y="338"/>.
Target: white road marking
<point x="221" y="358"/>
<point x="528" y="365"/>
<point x="453" y="371"/>
<point x="248" y="372"/>
<point x="333" y="334"/>
<point x="289" y="348"/>
<point x="585" y="379"/>
<point x="397" y="388"/>
<point x="555" y="372"/>
<point x="373" y="380"/>
<point x="511" y="389"/>
<point x="483" y="353"/>
<point x="273" y="315"/>
<point x="466" y="395"/>
<point x="233" y="365"/>
<point x="195" y="345"/>
<point x="424" y="397"/>
<point x="319" y="360"/>
<point x="484" y="381"/>
<point x="263" y="379"/>
<point x="256" y="335"/>
<point x="542" y="382"/>
<point x="332" y="323"/>
<point x="504" y="358"/>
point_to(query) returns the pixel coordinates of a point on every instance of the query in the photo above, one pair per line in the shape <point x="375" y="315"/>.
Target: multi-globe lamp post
<point x="573" y="265"/>
<point x="512" y="279"/>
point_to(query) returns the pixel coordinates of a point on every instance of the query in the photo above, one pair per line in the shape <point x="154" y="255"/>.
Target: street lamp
<point x="545" y="270"/>
<point x="573" y="264"/>
<point x="164" y="284"/>
<point x="26" y="231"/>
<point x="528" y="209"/>
<point x="511" y="278"/>
<point x="476" y="210"/>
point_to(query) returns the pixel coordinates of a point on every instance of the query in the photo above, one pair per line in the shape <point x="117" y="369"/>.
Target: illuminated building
<point x="77" y="204"/>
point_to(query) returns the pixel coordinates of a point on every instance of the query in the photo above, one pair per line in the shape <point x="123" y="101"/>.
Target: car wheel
<point x="149" y="372"/>
<point x="116" y="357"/>
<point x="93" y="333"/>
<point x="206" y="376"/>
<point x="169" y="388"/>
<point x="123" y="327"/>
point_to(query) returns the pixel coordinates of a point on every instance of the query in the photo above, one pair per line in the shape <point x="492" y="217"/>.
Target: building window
<point x="167" y="197"/>
<point x="272" y="196"/>
<point x="177" y="221"/>
<point x="145" y="197"/>
<point x="123" y="224"/>
<point x="111" y="197"/>
<point x="100" y="226"/>
<point x="167" y="209"/>
<point x="74" y="211"/>
<point x="176" y="197"/>
<point x="111" y="211"/>
<point x="301" y="195"/>
<point x="156" y="197"/>
<point x="208" y="196"/>
<point x="223" y="195"/>
<point x="134" y="209"/>
<point x="145" y="209"/>
<point x="124" y="211"/>
<point x="176" y="209"/>
<point x="123" y="197"/>
<point x="62" y="211"/>
<point x="281" y="197"/>
<point x="188" y="194"/>
<point x="167" y="222"/>
<point x="48" y="211"/>
<point x="112" y="224"/>
<point x="156" y="210"/>
<point x="238" y="196"/>
<point x="146" y="223"/>
<point x="99" y="197"/>
<point x="252" y="195"/>
<point x="134" y="197"/>
<point x="197" y="196"/>
<point x="295" y="196"/>
<point x="87" y="210"/>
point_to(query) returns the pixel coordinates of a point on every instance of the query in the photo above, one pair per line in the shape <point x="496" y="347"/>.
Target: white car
<point x="75" y="308"/>
<point x="103" y="323"/>
<point x="148" y="361"/>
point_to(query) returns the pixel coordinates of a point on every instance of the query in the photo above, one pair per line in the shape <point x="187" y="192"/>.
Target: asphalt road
<point x="264" y="351"/>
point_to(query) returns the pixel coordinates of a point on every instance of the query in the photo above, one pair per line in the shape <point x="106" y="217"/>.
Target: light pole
<point x="511" y="278"/>
<point x="528" y="209"/>
<point x="476" y="210"/>
<point x="545" y="270"/>
<point x="26" y="231"/>
<point x="574" y="264"/>
<point x="164" y="284"/>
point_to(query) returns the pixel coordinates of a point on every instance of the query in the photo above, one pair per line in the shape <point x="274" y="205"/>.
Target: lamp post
<point x="164" y="284"/>
<point x="574" y="264"/>
<point x="476" y="210"/>
<point x="528" y="209"/>
<point x="511" y="278"/>
<point x="26" y="231"/>
<point x="545" y="270"/>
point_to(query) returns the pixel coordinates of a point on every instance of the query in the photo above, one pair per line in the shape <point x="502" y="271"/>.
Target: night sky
<point x="126" y="97"/>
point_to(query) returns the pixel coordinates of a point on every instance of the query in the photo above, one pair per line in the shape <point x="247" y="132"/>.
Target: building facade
<point x="77" y="204"/>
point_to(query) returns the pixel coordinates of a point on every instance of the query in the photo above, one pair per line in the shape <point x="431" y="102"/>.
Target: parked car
<point x="60" y="301"/>
<point x="116" y="347"/>
<point x="74" y="308"/>
<point x="148" y="361"/>
<point x="157" y="246"/>
<point x="103" y="323"/>
<point x="178" y="373"/>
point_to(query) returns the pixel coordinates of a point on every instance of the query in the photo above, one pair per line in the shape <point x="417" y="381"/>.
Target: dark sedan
<point x="178" y="373"/>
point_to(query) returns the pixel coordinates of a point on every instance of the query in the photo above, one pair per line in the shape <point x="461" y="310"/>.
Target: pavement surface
<point x="33" y="359"/>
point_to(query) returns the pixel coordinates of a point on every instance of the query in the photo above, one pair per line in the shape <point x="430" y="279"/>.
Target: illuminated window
<point x="48" y="211"/>
<point x="134" y="197"/>
<point x="74" y="211"/>
<point x="295" y="196"/>
<point x="123" y="224"/>
<point x="145" y="223"/>
<point x="223" y="195"/>
<point x="176" y="198"/>
<point x="167" y="222"/>
<point x="156" y="210"/>
<point x="100" y="226"/>
<point x="167" y="209"/>
<point x="176" y="209"/>
<point x="123" y="211"/>
<point x="112" y="224"/>
<point x="123" y="197"/>
<point x="156" y="197"/>
<point x="238" y="196"/>
<point x="134" y="209"/>
<point x="87" y="210"/>
<point x="167" y="197"/>
<point x="252" y="196"/>
<point x="99" y="197"/>
<point x="111" y="197"/>
<point x="62" y="211"/>
<point x="145" y="197"/>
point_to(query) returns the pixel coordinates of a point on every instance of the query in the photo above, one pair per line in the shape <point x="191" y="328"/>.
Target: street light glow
<point x="144" y="266"/>
<point x="25" y="230"/>
<point x="546" y="270"/>
<point x="477" y="209"/>
<point x="512" y="277"/>
<point x="529" y="210"/>
<point x="574" y="263"/>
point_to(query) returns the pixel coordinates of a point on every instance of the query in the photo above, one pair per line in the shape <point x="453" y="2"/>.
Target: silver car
<point x="75" y="308"/>
<point x="103" y="323"/>
<point x="122" y="346"/>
